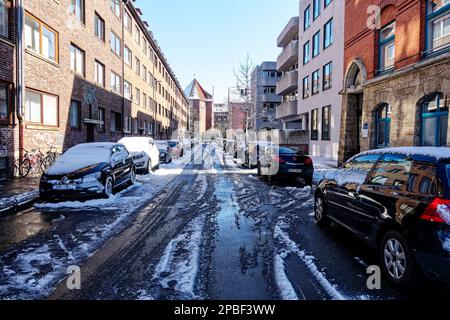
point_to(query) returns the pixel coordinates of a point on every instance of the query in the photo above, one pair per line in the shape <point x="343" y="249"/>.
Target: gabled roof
<point x="195" y="91"/>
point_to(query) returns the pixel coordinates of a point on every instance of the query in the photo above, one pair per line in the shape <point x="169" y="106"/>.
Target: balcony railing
<point x="289" y="32"/>
<point x="288" y="57"/>
<point x="288" y="84"/>
<point x="287" y="109"/>
<point x="270" y="97"/>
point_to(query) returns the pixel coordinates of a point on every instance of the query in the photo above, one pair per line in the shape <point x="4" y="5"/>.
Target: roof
<point x="195" y="91"/>
<point x="417" y="153"/>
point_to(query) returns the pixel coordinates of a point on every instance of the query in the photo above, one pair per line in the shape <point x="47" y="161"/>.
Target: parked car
<point x="144" y="151"/>
<point x="287" y="162"/>
<point x="165" y="153"/>
<point x="175" y="147"/>
<point x="398" y="202"/>
<point x="92" y="169"/>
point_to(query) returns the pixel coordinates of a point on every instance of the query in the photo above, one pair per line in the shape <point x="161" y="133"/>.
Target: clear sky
<point x="209" y="38"/>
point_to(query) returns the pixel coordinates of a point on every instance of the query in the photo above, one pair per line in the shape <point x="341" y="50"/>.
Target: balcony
<point x="287" y="109"/>
<point x="289" y="32"/>
<point x="288" y="84"/>
<point x="268" y="82"/>
<point x="288" y="57"/>
<point x="270" y="97"/>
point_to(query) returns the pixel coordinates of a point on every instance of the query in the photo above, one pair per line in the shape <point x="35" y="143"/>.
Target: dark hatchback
<point x="88" y="170"/>
<point x="287" y="162"/>
<point x="398" y="201"/>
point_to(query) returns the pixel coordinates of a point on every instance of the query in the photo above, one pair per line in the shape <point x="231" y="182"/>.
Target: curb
<point x="20" y="201"/>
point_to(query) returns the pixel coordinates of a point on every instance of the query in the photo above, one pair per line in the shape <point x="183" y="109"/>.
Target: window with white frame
<point x="77" y="59"/>
<point x="75" y="114"/>
<point x="438" y="25"/>
<point x="128" y="22"/>
<point x="99" y="73"/>
<point x="99" y="27"/>
<point x="77" y="9"/>
<point x="116" y="43"/>
<point x="127" y="90"/>
<point x="137" y="35"/>
<point x="4" y="105"/>
<point x="387" y="47"/>
<point x="127" y="124"/>
<point x="137" y="96"/>
<point x="128" y="56"/>
<point x="41" y="108"/>
<point x="115" y="7"/>
<point x="115" y="82"/>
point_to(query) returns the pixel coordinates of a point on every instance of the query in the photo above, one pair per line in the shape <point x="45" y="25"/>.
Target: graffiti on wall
<point x="5" y="136"/>
<point x="47" y="139"/>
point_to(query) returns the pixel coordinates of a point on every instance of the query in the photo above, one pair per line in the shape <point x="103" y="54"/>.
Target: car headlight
<point x="93" y="177"/>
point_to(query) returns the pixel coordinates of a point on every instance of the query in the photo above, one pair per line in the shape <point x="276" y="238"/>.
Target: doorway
<point x="90" y="133"/>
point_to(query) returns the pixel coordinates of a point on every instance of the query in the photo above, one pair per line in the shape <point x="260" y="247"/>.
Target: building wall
<point x="259" y="112"/>
<point x="238" y="116"/>
<point x="335" y="54"/>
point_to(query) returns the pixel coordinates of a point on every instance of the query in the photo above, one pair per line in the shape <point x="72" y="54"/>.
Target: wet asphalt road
<point x="216" y="231"/>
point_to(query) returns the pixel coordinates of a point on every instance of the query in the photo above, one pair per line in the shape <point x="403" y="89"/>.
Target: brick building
<point x="220" y="118"/>
<point x="397" y="75"/>
<point x="237" y="116"/>
<point x="201" y="103"/>
<point x="92" y="72"/>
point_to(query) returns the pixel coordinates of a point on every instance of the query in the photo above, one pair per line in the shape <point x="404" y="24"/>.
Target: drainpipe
<point x="125" y="3"/>
<point x="20" y="74"/>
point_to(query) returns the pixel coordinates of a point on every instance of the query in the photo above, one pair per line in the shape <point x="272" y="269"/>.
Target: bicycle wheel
<point x="46" y="163"/>
<point x="25" y="168"/>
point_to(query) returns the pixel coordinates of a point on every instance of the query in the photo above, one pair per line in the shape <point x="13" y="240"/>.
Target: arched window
<point x="434" y="114"/>
<point x="382" y="125"/>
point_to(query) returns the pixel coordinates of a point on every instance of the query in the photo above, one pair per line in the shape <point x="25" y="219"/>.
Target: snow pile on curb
<point x="10" y="203"/>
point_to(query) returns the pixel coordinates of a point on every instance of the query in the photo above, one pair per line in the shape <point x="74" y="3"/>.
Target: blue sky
<point x="209" y="38"/>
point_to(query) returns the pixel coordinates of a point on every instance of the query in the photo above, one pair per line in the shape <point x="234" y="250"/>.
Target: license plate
<point x="295" y="170"/>
<point x="64" y="187"/>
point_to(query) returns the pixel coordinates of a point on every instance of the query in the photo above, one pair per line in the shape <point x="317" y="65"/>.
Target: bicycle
<point x="50" y="159"/>
<point x="32" y="162"/>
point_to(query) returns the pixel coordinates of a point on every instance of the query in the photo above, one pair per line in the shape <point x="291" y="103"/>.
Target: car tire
<point x="132" y="177"/>
<point x="397" y="259"/>
<point x="108" y="187"/>
<point x="320" y="213"/>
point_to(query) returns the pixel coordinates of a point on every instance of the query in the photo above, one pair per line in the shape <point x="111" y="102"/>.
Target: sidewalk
<point x="17" y="193"/>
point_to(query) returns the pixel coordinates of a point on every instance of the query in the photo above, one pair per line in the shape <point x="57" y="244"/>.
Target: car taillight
<point x="278" y="159"/>
<point x="308" y="161"/>
<point x="431" y="212"/>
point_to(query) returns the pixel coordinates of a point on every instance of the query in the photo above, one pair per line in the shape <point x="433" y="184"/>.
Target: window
<point x="75" y="114"/>
<point x="315" y="124"/>
<point x="315" y="82"/>
<point x="306" y="18"/>
<point x="127" y="90"/>
<point x="4" y="18"/>
<point x="327" y="76"/>
<point x="40" y="38"/>
<point x="115" y="7"/>
<point x="326" y="120"/>
<point x="137" y="35"/>
<point x="269" y="90"/>
<point x="101" y="119"/>
<point x="438" y="27"/>
<point x="434" y="120"/>
<point x="144" y="73"/>
<point x="138" y="66"/>
<point x="144" y="46"/>
<point x="306" y="49"/>
<point x="77" y="9"/>
<point x="115" y="44"/>
<point x="392" y="170"/>
<point x="316" y="9"/>
<point x="316" y="44"/>
<point x="99" y="27"/>
<point x="4" y="109"/>
<point x="327" y="3"/>
<point x="128" y="21"/>
<point x="41" y="108"/>
<point x="116" y="122"/>
<point x="382" y="125"/>
<point x="99" y="73"/>
<point x="137" y="97"/>
<point x="115" y="82"/>
<point x="77" y="59"/>
<point x="328" y="34"/>
<point x="127" y="124"/>
<point x="135" y="125"/>
<point x="306" y="87"/>
<point x="144" y="100"/>
<point x="387" y="47"/>
<point x="128" y="56"/>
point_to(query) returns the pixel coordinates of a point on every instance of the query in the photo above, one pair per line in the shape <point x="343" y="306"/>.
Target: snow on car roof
<point x="437" y="153"/>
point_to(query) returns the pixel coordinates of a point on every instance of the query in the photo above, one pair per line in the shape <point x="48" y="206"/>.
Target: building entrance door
<point x="90" y="133"/>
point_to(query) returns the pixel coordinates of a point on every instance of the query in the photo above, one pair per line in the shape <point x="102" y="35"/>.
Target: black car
<point x="398" y="202"/>
<point x="165" y="152"/>
<point x="288" y="162"/>
<point x="92" y="169"/>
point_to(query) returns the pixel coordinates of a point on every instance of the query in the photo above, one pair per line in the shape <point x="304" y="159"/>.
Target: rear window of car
<point x="288" y="150"/>
<point x="172" y="144"/>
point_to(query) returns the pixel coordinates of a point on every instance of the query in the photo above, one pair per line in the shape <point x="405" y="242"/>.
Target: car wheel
<point x="108" y="187"/>
<point x="397" y="259"/>
<point x="132" y="177"/>
<point x="320" y="211"/>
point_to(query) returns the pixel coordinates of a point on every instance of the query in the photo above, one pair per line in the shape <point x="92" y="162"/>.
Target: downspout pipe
<point x="20" y="78"/>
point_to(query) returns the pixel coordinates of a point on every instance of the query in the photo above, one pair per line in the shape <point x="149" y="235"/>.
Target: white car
<point x="144" y="151"/>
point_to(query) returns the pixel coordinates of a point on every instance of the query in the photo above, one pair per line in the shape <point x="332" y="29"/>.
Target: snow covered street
<point x="199" y="228"/>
